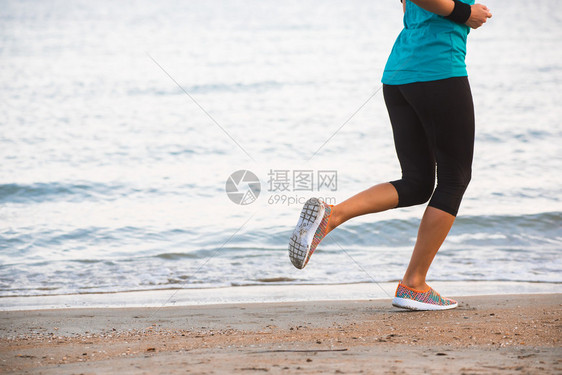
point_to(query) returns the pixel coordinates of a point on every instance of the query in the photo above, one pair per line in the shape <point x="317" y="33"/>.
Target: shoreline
<point x="485" y="334"/>
<point x="262" y="293"/>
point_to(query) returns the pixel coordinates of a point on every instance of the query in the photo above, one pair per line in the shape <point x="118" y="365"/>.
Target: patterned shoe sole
<point x="405" y="303"/>
<point x="301" y="239"/>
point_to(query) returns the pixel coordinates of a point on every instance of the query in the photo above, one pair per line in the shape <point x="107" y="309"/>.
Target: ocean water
<point x="120" y="124"/>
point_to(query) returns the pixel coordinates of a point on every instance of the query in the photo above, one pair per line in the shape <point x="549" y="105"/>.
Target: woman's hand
<point x="479" y="14"/>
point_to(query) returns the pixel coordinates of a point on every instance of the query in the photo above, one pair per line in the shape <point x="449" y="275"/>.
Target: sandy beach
<point x="486" y="334"/>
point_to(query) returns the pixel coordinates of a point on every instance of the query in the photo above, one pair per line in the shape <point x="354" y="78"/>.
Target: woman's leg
<point x="433" y="230"/>
<point x="446" y="110"/>
<point x="378" y="198"/>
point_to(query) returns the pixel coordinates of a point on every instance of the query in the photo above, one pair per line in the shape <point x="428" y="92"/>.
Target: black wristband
<point x="460" y="13"/>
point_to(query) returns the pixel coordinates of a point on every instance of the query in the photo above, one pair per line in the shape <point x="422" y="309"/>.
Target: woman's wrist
<point x="461" y="12"/>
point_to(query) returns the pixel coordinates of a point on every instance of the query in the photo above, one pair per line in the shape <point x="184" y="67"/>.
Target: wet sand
<point x="486" y="334"/>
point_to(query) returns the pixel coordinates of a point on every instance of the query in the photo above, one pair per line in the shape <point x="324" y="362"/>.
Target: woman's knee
<point x="412" y="192"/>
<point x="423" y="192"/>
<point x="450" y="191"/>
<point x="456" y="182"/>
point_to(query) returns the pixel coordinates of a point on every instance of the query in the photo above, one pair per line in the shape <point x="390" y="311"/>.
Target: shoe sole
<point x="411" y="304"/>
<point x="303" y="235"/>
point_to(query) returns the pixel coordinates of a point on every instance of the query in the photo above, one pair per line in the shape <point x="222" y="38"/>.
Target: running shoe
<point x="408" y="298"/>
<point x="310" y="230"/>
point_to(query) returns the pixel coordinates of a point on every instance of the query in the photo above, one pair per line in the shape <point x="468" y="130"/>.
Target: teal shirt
<point x="429" y="48"/>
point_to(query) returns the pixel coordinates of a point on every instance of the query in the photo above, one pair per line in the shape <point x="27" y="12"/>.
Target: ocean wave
<point x="52" y="191"/>
<point x="479" y="248"/>
<point x="211" y="88"/>
<point x="81" y="191"/>
<point x="172" y="243"/>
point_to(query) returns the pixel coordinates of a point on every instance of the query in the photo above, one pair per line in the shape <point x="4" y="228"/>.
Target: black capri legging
<point x="433" y="125"/>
